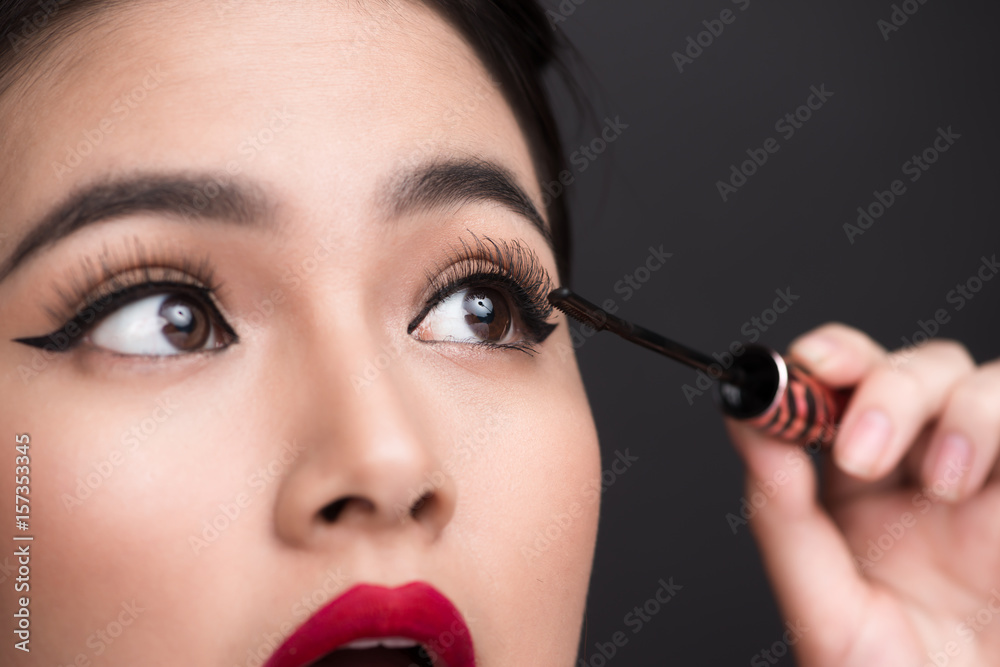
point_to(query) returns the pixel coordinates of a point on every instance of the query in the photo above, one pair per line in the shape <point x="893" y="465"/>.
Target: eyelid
<point x="76" y="329"/>
<point x="97" y="286"/>
<point x="511" y="265"/>
<point x="128" y="265"/>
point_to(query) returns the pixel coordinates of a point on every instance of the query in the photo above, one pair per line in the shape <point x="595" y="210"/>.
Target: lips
<point x="398" y="617"/>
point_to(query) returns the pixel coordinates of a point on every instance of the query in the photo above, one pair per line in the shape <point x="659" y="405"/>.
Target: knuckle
<point x="902" y="383"/>
<point x="835" y="329"/>
<point x="978" y="394"/>
<point x="951" y="350"/>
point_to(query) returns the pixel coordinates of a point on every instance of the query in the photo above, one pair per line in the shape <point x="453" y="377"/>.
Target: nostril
<point x="333" y="510"/>
<point x="421" y="503"/>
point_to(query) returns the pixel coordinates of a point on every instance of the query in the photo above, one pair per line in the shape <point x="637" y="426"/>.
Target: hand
<point x="898" y="563"/>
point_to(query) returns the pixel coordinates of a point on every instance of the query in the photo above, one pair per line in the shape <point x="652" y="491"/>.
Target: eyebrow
<point x="203" y="198"/>
<point x="192" y="197"/>
<point x="439" y="184"/>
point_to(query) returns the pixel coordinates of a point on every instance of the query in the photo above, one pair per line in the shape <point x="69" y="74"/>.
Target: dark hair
<point x="512" y="37"/>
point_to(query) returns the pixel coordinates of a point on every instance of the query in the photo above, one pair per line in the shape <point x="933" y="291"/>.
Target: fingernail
<point x="866" y="443"/>
<point x="814" y="349"/>
<point x="954" y="460"/>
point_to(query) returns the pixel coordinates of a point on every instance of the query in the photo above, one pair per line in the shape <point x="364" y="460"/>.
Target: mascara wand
<point x="779" y="398"/>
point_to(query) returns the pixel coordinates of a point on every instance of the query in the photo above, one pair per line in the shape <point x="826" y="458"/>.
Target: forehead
<point x="323" y="97"/>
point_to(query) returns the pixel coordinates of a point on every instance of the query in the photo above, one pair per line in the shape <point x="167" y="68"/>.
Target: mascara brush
<point x="779" y="398"/>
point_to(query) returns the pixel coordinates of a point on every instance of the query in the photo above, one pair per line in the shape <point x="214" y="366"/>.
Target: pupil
<point x="186" y="324"/>
<point x="487" y="314"/>
<point x="482" y="309"/>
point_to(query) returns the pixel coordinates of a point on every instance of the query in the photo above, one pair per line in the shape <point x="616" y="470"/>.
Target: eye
<point x="477" y="314"/>
<point x="163" y="324"/>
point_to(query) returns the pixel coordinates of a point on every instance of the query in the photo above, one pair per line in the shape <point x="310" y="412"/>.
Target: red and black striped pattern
<point x="807" y="413"/>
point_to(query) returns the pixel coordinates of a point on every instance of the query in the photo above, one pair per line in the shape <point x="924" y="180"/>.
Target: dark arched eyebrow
<point x="439" y="184"/>
<point x="200" y="197"/>
<point x="207" y="198"/>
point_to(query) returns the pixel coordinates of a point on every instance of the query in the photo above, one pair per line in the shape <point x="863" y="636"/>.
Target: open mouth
<point x="371" y="626"/>
<point x="383" y="652"/>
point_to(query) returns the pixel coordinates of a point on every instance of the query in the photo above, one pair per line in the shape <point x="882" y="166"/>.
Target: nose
<point x="368" y="461"/>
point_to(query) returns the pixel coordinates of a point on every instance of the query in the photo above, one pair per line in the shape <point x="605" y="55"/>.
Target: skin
<point x="502" y="441"/>
<point x="897" y="563"/>
<point x="289" y="380"/>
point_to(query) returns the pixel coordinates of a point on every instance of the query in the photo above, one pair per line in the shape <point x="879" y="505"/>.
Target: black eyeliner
<point x="508" y="265"/>
<point x="70" y="334"/>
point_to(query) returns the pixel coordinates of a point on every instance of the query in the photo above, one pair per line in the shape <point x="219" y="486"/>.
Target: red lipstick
<point x="416" y="611"/>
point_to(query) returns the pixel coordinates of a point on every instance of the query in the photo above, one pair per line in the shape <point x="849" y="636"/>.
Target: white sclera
<point x="138" y="328"/>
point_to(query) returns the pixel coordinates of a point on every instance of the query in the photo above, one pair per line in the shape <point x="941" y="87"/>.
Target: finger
<point x="841" y="356"/>
<point x="965" y="443"/>
<point x="838" y="355"/>
<point x="810" y="565"/>
<point x="892" y="405"/>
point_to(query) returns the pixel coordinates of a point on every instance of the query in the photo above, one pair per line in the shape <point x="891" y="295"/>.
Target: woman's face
<point x="282" y="197"/>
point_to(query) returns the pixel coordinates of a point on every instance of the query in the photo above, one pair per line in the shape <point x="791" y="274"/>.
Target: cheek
<point x="532" y="520"/>
<point x="120" y="483"/>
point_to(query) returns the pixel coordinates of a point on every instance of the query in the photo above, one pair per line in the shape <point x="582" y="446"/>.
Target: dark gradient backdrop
<point x="783" y="229"/>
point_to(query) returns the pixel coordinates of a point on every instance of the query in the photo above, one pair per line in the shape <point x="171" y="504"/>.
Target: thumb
<point x="812" y="570"/>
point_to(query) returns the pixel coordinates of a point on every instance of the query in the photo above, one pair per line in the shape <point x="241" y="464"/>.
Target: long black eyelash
<point x="508" y="264"/>
<point x="101" y="285"/>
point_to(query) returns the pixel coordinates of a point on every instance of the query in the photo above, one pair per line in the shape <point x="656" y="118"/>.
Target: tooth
<point x="388" y="642"/>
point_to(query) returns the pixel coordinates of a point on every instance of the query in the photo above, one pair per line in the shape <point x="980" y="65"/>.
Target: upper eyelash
<point x="483" y="261"/>
<point x="510" y="263"/>
<point x="98" y="281"/>
<point x="99" y="284"/>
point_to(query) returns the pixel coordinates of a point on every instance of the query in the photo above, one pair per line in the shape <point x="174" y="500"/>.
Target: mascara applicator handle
<point x="781" y="399"/>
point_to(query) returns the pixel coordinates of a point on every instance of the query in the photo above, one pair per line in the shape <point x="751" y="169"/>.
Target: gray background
<point x="665" y="517"/>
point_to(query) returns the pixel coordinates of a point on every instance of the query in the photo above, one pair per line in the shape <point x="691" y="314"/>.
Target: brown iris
<point x="487" y="314"/>
<point x="187" y="325"/>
